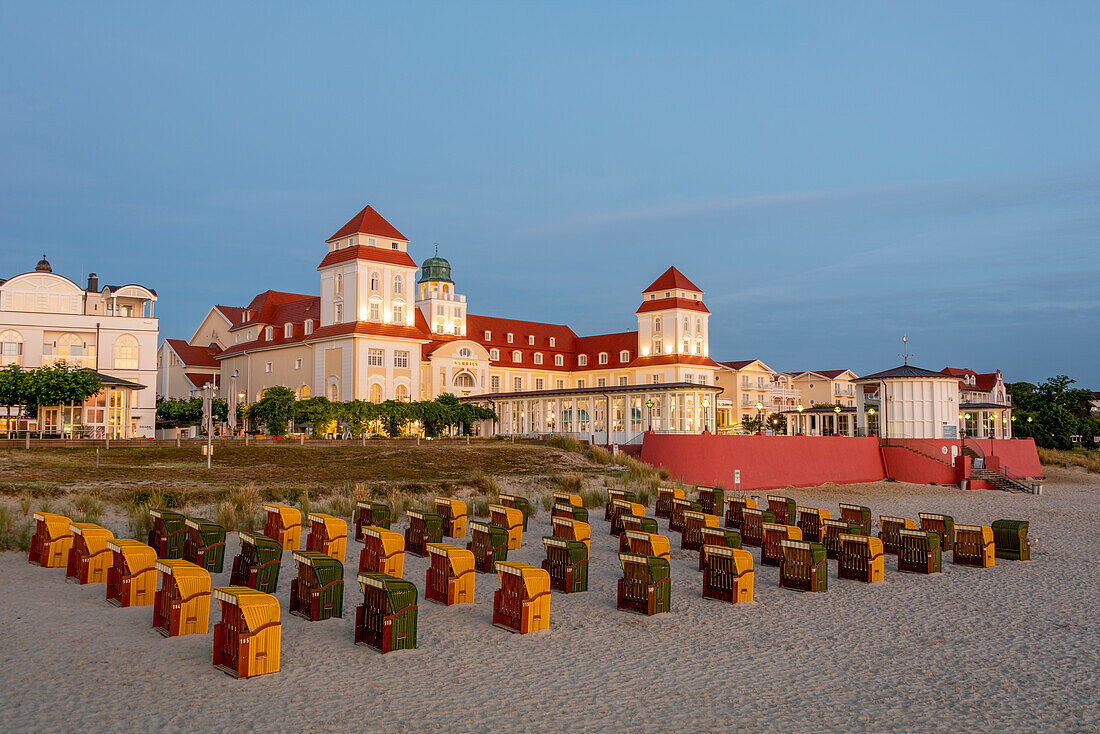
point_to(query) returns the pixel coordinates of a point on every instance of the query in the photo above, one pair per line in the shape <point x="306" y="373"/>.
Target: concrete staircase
<point x="1003" y="482"/>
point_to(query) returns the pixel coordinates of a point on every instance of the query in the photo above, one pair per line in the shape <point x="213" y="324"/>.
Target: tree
<point x="752" y="424"/>
<point x="395" y="415"/>
<point x="319" y="412"/>
<point x="358" y="414"/>
<point x="1052" y="412"/>
<point x="274" y="410"/>
<point x="57" y="384"/>
<point x="12" y="388"/>
<point x="777" y="423"/>
<point x="433" y="416"/>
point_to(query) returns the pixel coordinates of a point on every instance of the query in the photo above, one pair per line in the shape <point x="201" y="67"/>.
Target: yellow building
<point x="825" y="387"/>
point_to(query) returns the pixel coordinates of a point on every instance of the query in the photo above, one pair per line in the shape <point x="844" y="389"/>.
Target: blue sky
<point x="832" y="174"/>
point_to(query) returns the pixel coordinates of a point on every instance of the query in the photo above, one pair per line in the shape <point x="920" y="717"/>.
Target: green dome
<point x="435" y="269"/>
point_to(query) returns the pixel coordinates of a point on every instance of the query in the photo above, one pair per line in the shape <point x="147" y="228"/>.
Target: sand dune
<point x="1011" y="648"/>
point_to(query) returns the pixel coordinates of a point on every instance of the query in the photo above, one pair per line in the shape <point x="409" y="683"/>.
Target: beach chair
<point x="920" y="551"/>
<point x="520" y="503"/>
<point x="284" y="525"/>
<point x="89" y="558"/>
<point x="752" y="525"/>
<point x="784" y="509"/>
<point x="371" y="515"/>
<point x="567" y="498"/>
<point x="727" y="573"/>
<point x="861" y="558"/>
<point x="620" y="508"/>
<point x="638" y="524"/>
<point x="712" y="500"/>
<point x="132" y="575"/>
<point x="522" y="603"/>
<point x="804" y="566"/>
<point x="182" y="603"/>
<point x="617" y="494"/>
<point x="318" y="592"/>
<point x="665" y="495"/>
<point x="489" y="545"/>
<point x="858" y="514"/>
<point x="511" y="520"/>
<point x="248" y="638"/>
<point x="735" y="508"/>
<point x="454" y="516"/>
<point x="424" y="528"/>
<point x="567" y="563"/>
<point x="717" y="536"/>
<point x="773" y="534"/>
<point x="51" y="541"/>
<point x="204" y="544"/>
<point x="973" y="546"/>
<point x="645" y="587"/>
<point x="328" y="534"/>
<point x="941" y="525"/>
<point x="679" y="507"/>
<point x="809" y="521"/>
<point x="257" y="565"/>
<point x="168" y="533"/>
<point x="1010" y="540"/>
<point x="383" y="552"/>
<point x="450" y="577"/>
<point x="386" y="620"/>
<point x="570" y="529"/>
<point x="832" y="530"/>
<point x="567" y="510"/>
<point x="646" y="544"/>
<point x="890" y="528"/>
<point x="694" y="522"/>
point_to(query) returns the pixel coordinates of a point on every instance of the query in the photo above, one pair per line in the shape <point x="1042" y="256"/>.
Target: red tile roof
<point x="368" y="328"/>
<point x="366" y="252"/>
<point x="661" y="304"/>
<point x="192" y="356"/>
<point x="982" y="382"/>
<point x="658" y="360"/>
<point x="233" y="313"/>
<point x="368" y="221"/>
<point x="672" y="279"/>
<point x="198" y="380"/>
<point x="739" y="364"/>
<point x="275" y="308"/>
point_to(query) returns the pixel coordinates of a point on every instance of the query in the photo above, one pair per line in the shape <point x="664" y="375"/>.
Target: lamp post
<point x="870" y="412"/>
<point x="760" y="417"/>
<point x="649" y="414"/>
<point x="836" y="425"/>
<point x="801" y="429"/>
<point x="706" y="414"/>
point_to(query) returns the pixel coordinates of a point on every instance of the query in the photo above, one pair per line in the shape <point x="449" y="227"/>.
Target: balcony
<point x="70" y="359"/>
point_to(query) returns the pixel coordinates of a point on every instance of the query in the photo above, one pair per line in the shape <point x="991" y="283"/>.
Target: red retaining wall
<point x="766" y="462"/>
<point x="774" y="462"/>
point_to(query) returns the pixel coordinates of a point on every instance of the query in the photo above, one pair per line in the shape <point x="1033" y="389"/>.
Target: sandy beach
<point x="1012" y="648"/>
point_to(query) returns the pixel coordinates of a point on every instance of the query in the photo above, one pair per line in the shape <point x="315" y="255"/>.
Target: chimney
<point x="93" y="283"/>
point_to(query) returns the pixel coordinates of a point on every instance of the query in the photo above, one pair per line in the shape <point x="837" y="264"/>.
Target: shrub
<point x="485" y="483"/>
<point x="246" y="499"/>
<point x="548" y="502"/>
<point x="226" y="515"/>
<point x="15" y="533"/>
<point x="565" y="443"/>
<point x="594" y="497"/>
<point x="341" y="505"/>
<point x="572" y="483"/>
<point x="88" y="508"/>
<point x="25" y="504"/>
<point x="599" y="455"/>
<point x="480" y="507"/>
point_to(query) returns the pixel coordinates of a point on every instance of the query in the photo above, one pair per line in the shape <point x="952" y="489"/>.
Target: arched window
<point x="538" y="357"/>
<point x="304" y="392"/>
<point x="288" y="330"/>
<point x="624" y="356"/>
<point x="516" y="356"/>
<point x="582" y="360"/>
<point x="558" y="360"/>
<point x="309" y="327"/>
<point x="687" y="324"/>
<point x="494" y="354"/>
<point x="464" y="379"/>
<point x="657" y="324"/>
<point x="11" y="348"/>
<point x="70" y="345"/>
<point x="376" y="393"/>
<point x="268" y="333"/>
<point x="339" y="285"/>
<point x="374" y="282"/>
<point x="126" y="353"/>
<point x="465" y="352"/>
<point x="398" y="284"/>
<point x="402" y="393"/>
<point x="603" y="357"/>
<point x="334" y="391"/>
<point x="699" y="325"/>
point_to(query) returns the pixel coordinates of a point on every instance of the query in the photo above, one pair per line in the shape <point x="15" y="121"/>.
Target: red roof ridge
<point x="368" y="221"/>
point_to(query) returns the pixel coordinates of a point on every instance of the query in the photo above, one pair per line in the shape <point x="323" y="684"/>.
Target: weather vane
<point x="905" y="348"/>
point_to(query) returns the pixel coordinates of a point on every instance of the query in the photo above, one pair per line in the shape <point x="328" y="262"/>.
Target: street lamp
<point x="706" y="414"/>
<point x="800" y="428"/>
<point x="649" y="413"/>
<point x="760" y="417"/>
<point x="836" y="428"/>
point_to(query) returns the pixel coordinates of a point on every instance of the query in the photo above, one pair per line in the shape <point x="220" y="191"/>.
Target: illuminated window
<point x="398" y="284"/>
<point x="376" y="393"/>
<point x="402" y="393"/>
<point x="401" y="359"/>
<point x="126" y="353"/>
<point x="374" y="357"/>
<point x="11" y="348"/>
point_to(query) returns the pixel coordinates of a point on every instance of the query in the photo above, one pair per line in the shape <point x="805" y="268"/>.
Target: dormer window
<point x="668" y="294"/>
<point x="370" y="241"/>
<point x="509" y="338"/>
<point x="494" y="355"/>
<point x="288" y="331"/>
<point x="488" y="336"/>
<point x="268" y="333"/>
<point x="553" y="342"/>
<point x="558" y="360"/>
<point x="538" y="357"/>
<point x="624" y="356"/>
<point x="531" y="341"/>
<point x="516" y="357"/>
<point x="309" y="327"/>
<point x="603" y="358"/>
<point x="582" y="360"/>
<point x="394" y="246"/>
